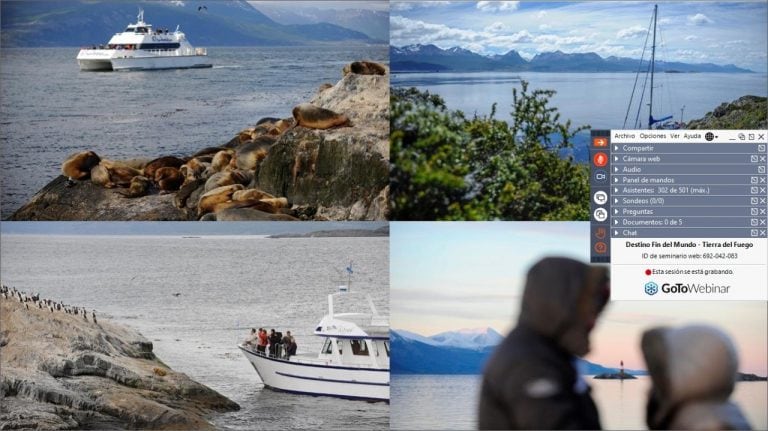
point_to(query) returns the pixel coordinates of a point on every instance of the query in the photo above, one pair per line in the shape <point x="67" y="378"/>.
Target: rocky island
<point x="615" y="376"/>
<point x="328" y="161"/>
<point x="63" y="367"/>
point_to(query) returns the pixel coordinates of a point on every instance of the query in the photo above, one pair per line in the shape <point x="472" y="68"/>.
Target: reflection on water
<point x="450" y="402"/>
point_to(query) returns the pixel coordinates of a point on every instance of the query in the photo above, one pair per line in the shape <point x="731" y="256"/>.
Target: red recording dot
<point x="647" y="272"/>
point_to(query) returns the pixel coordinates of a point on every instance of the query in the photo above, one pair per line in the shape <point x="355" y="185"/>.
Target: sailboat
<point x="664" y="122"/>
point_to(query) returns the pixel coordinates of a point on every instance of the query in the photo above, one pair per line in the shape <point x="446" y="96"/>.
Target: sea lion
<point x="208" y="151"/>
<point x="78" y="166"/>
<point x="193" y="169"/>
<point x="364" y="68"/>
<point x="250" y="214"/>
<point x="281" y="126"/>
<point x="180" y="200"/>
<point x="111" y="174"/>
<point x="221" y="160"/>
<point x="276" y="203"/>
<point x="218" y="195"/>
<point x="314" y="117"/>
<point x="139" y="187"/>
<point x="324" y="87"/>
<point x="168" y="179"/>
<point x="267" y="120"/>
<point x="162" y="162"/>
<point x="227" y="178"/>
<point x="250" y="154"/>
<point x="255" y="204"/>
<point x="250" y="194"/>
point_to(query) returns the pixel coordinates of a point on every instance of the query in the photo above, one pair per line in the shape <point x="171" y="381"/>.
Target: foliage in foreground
<point x="448" y="167"/>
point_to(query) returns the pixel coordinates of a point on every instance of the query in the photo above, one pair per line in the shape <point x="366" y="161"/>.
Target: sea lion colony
<point x="221" y="177"/>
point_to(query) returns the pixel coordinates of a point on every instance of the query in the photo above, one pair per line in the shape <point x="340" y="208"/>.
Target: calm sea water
<point x="595" y="99"/>
<point x="227" y="286"/>
<point x="450" y="402"/>
<point x="49" y="109"/>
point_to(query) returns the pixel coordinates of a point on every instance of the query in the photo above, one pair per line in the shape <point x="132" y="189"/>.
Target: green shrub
<point x="447" y="167"/>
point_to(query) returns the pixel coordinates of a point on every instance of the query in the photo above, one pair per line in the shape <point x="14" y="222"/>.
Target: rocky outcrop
<point x="339" y="173"/>
<point x="747" y="112"/>
<point x="615" y="376"/>
<point x="63" y="371"/>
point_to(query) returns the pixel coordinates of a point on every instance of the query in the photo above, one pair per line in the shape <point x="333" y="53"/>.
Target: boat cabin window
<point x="329" y="345"/>
<point x="129" y="30"/>
<point x="142" y="30"/>
<point x="359" y="348"/>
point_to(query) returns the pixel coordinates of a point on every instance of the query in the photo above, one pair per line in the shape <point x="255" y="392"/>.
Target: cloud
<point x="497" y="6"/>
<point x="545" y="27"/>
<point x="699" y="19"/>
<point x="409" y="5"/>
<point x="631" y="32"/>
<point x="496" y="27"/>
<point x="541" y="14"/>
<point x="690" y="37"/>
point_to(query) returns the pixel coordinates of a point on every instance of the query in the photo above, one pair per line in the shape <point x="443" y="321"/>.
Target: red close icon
<point x="600" y="141"/>
<point x="600" y="159"/>
<point x="648" y="272"/>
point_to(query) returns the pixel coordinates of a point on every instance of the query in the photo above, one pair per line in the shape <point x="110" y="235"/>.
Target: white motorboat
<point x="140" y="47"/>
<point x="353" y="362"/>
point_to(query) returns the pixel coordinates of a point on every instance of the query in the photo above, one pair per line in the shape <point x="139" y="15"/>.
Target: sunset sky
<point x="447" y="276"/>
<point x="691" y="32"/>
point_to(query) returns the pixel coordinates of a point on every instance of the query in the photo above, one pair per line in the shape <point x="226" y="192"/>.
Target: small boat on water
<point x="140" y="47"/>
<point x="352" y="363"/>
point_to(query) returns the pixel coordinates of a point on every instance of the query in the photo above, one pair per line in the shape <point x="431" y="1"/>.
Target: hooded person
<point x="693" y="370"/>
<point x="531" y="380"/>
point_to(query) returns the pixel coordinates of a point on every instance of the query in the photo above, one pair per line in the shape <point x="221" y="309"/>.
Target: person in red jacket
<point x="263" y="339"/>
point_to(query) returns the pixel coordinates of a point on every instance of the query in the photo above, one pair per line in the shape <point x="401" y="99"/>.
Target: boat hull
<point x="317" y="378"/>
<point x="98" y="59"/>
<point x="158" y="63"/>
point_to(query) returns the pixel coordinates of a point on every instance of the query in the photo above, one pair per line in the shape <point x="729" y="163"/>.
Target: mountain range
<point x="458" y="352"/>
<point x="430" y="58"/>
<point x="213" y="23"/>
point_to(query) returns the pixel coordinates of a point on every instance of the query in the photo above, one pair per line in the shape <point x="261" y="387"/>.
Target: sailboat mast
<point x="653" y="66"/>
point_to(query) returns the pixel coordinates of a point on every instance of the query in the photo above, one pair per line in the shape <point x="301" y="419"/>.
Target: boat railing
<point x="313" y="360"/>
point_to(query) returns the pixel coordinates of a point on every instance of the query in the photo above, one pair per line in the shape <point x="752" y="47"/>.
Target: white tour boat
<point x="353" y="362"/>
<point x="140" y="47"/>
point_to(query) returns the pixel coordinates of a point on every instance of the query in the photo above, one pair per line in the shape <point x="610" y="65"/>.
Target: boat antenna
<point x="653" y="65"/>
<point x="349" y="274"/>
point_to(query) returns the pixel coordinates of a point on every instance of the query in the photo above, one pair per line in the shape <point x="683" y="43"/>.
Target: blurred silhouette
<point x="693" y="370"/>
<point x="531" y="381"/>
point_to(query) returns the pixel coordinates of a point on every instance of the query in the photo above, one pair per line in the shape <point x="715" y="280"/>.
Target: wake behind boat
<point x="140" y="47"/>
<point x="353" y="362"/>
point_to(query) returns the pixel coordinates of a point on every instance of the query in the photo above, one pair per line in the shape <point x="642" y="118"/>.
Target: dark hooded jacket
<point x="693" y="370"/>
<point x="531" y="381"/>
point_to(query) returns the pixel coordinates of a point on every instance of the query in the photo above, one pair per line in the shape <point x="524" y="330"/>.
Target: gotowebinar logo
<point x="652" y="288"/>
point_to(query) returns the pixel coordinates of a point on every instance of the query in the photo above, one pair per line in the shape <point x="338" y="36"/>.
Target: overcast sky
<point x="693" y="32"/>
<point x="448" y="276"/>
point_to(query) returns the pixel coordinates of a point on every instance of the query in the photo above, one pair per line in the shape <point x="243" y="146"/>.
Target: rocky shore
<point x="329" y="160"/>
<point x="61" y="370"/>
<point x="747" y="112"/>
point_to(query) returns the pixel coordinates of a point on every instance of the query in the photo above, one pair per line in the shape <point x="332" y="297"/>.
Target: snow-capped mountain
<point x="433" y="58"/>
<point x="476" y="338"/>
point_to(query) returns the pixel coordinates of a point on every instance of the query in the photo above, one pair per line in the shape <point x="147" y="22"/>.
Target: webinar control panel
<point x="681" y="214"/>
